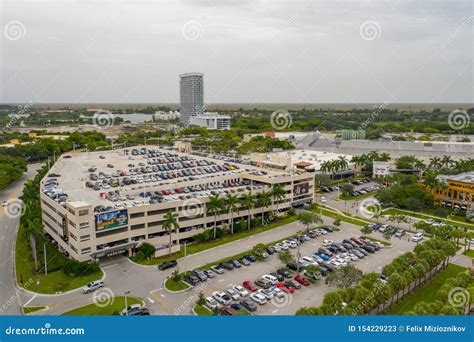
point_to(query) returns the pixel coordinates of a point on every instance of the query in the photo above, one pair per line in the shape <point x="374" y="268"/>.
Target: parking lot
<point x="311" y="295"/>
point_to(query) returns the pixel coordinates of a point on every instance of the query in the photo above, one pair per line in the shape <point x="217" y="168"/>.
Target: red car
<point x="284" y="288"/>
<point x="249" y="285"/>
<point x="302" y="280"/>
<point x="357" y="241"/>
<point x="226" y="311"/>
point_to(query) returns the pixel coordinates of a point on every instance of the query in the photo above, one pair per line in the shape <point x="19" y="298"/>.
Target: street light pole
<point x="126" y="304"/>
<point x="45" y="260"/>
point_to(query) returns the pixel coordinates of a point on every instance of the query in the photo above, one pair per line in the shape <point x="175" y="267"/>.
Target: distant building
<point x="350" y="134"/>
<point x="459" y="192"/>
<point x="165" y="116"/>
<point x="381" y="169"/>
<point x="211" y="120"/>
<point x="191" y="91"/>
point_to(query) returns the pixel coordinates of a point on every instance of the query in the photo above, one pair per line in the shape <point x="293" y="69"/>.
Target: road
<point x="8" y="229"/>
<point x="147" y="282"/>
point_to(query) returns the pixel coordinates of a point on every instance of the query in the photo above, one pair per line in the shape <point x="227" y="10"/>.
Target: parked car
<point x="167" y="264"/>
<point x="217" y="269"/>
<point x="293" y="284"/>
<point x="302" y="280"/>
<point x="191" y="279"/>
<point x="226" y="265"/>
<point x="244" y="261"/>
<point x="285" y="288"/>
<point x="250" y="257"/>
<point x="417" y="237"/>
<point x="240" y="290"/>
<point x="249" y="285"/>
<point x="249" y="305"/>
<point x="236" y="263"/>
<point x="227" y="311"/>
<point x="263" y="283"/>
<point x="284" y="272"/>
<point x="234" y="295"/>
<point x="211" y="303"/>
<point x="221" y="297"/>
<point x="258" y="298"/>
<point x="327" y="243"/>
<point x="271" y="279"/>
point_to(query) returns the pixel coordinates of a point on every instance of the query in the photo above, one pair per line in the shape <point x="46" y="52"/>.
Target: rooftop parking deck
<point x="140" y="175"/>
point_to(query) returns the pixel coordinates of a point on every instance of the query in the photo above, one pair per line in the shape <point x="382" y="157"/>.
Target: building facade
<point x="191" y="93"/>
<point x="459" y="191"/>
<point x="211" y="120"/>
<point x="89" y="223"/>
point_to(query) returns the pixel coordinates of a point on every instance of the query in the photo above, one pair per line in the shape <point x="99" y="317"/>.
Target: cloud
<point x="250" y="51"/>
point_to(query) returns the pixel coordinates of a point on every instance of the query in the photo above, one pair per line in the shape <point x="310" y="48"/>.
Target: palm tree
<point x="384" y="157"/>
<point x="342" y="163"/>
<point x="278" y="193"/>
<point x="435" y="163"/>
<point x="231" y="204"/>
<point x="214" y="206"/>
<point x="307" y="218"/>
<point x="170" y="223"/>
<point x="248" y="201"/>
<point x="327" y="167"/>
<point x="263" y="200"/>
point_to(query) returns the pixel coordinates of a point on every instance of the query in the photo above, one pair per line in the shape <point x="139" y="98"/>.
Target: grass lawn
<point x="199" y="247"/>
<point x="56" y="281"/>
<point x="333" y="214"/>
<point x="117" y="305"/>
<point x="385" y="243"/>
<point x="469" y="253"/>
<point x="454" y="221"/>
<point x="173" y="285"/>
<point x="202" y="311"/>
<point x="30" y="309"/>
<point x="426" y="293"/>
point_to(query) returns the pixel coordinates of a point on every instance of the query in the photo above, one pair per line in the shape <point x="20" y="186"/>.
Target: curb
<point x="179" y="291"/>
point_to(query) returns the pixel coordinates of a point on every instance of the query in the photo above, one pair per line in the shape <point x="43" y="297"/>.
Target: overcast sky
<point x="250" y="51"/>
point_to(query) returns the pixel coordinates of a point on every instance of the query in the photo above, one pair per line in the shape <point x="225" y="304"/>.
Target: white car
<point x="4" y="203"/>
<point x="326" y="243"/>
<point x="277" y="247"/>
<point x="417" y="237"/>
<point x="309" y="260"/>
<point x="221" y="297"/>
<point x="353" y="257"/>
<point x="240" y="290"/>
<point x="277" y="292"/>
<point x="323" y="199"/>
<point x="211" y="303"/>
<point x="258" y="298"/>
<point x="233" y="294"/>
<point x="335" y="263"/>
<point x="292" y="244"/>
<point x="267" y="293"/>
<point x="323" y="231"/>
<point x="273" y="280"/>
<point x="91" y="287"/>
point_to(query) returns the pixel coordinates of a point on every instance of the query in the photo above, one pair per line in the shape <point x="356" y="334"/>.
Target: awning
<point x="114" y="249"/>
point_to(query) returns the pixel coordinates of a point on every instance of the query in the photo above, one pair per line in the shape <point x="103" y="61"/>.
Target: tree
<point x="307" y="218"/>
<point x="170" y="223"/>
<point x="214" y="206"/>
<point x="312" y="270"/>
<point x="248" y="201"/>
<point x="258" y="251"/>
<point x="286" y="257"/>
<point x="147" y="250"/>
<point x="366" y="230"/>
<point x="321" y="180"/>
<point x="263" y="200"/>
<point x="344" y="277"/>
<point x="334" y="301"/>
<point x="231" y="204"/>
<point x="347" y="189"/>
<point x="201" y="298"/>
<point x="278" y="193"/>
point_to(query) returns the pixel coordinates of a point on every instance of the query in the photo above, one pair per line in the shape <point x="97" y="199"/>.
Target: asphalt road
<point x="9" y="299"/>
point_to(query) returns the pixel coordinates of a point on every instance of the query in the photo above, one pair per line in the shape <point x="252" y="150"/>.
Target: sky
<point x="331" y="51"/>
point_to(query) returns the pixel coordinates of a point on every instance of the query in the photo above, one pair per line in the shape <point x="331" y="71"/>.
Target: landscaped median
<point x="202" y="246"/>
<point x="30" y="309"/>
<point x="424" y="216"/>
<point x="385" y="243"/>
<point x="327" y="211"/>
<point x="112" y="306"/>
<point x="201" y="310"/>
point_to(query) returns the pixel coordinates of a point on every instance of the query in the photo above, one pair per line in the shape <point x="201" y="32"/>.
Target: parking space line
<point x="151" y="300"/>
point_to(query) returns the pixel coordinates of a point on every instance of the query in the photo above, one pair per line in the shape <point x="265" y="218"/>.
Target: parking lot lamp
<point x="126" y="304"/>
